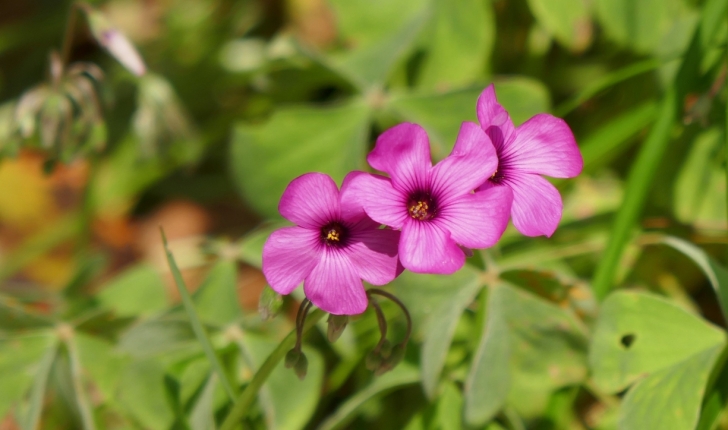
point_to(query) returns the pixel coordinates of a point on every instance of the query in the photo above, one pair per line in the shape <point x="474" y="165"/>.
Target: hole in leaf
<point x="627" y="340"/>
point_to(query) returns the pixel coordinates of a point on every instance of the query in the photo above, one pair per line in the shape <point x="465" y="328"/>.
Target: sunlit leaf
<point x="216" y="300"/>
<point x="21" y="359"/>
<point x="377" y="34"/>
<point x="288" y="402"/>
<point x="568" y="20"/>
<point x="158" y="336"/>
<point x="401" y="375"/>
<point x="634" y="341"/>
<point x="528" y="345"/>
<point x="443" y="298"/>
<point x="702" y="178"/>
<point x="460" y="40"/>
<point x="442" y="113"/>
<point x="202" y="416"/>
<point x="142" y="393"/>
<point x="137" y="291"/>
<point x="639" y="24"/>
<point x="295" y="141"/>
<point x="716" y="274"/>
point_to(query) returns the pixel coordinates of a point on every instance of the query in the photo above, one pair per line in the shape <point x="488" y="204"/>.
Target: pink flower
<point x="333" y="247"/>
<point x="543" y="145"/>
<point x="434" y="206"/>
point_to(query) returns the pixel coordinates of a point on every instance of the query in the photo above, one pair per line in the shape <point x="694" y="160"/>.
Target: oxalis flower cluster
<point x="419" y="217"/>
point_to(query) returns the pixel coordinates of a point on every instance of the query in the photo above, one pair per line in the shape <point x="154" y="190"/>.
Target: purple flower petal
<point x="494" y="119"/>
<point x="382" y="202"/>
<point x="473" y="160"/>
<point x="478" y="220"/>
<point x="311" y="201"/>
<point x="424" y="247"/>
<point x="334" y="285"/>
<point x="289" y="256"/>
<point x="373" y="252"/>
<point x="403" y="152"/>
<point x="537" y="204"/>
<point x="544" y="144"/>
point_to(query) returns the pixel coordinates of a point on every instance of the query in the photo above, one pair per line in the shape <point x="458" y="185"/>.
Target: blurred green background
<point x="240" y="97"/>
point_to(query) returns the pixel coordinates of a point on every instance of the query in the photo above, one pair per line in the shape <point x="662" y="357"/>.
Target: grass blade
<point x="648" y="159"/>
<point x="197" y="326"/>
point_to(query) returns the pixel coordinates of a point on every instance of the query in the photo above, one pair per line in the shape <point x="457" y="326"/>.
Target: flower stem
<point x="401" y="306"/>
<point x="240" y="408"/>
<point x="68" y="35"/>
<point x="382" y="324"/>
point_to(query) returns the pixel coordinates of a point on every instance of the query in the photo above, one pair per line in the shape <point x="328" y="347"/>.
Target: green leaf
<point x="528" y="345"/>
<point x="635" y="341"/>
<point x="460" y="41"/>
<point x="568" y="20"/>
<point x="441" y="323"/>
<point x="80" y="396"/>
<point x="251" y="246"/>
<point x="202" y="416"/>
<point x="142" y="394"/>
<point x="273" y="361"/>
<point x="379" y="32"/>
<point x="20" y="361"/>
<point x="448" y="414"/>
<point x="37" y="394"/>
<point x="700" y="179"/>
<point x="102" y="363"/>
<point x="716" y="274"/>
<point x="638" y="24"/>
<point x="400" y="376"/>
<point x="441" y="114"/>
<point x="288" y="402"/>
<point x="137" y="291"/>
<point x="216" y="300"/>
<point x="157" y="337"/>
<point x="295" y="141"/>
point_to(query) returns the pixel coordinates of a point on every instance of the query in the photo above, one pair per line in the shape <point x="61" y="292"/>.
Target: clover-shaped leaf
<point x="667" y="352"/>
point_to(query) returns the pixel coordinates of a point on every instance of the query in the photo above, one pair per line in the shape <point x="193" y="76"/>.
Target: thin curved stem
<point x="401" y="305"/>
<point x="382" y="324"/>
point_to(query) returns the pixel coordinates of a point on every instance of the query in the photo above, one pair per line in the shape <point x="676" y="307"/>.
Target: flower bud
<point x="115" y="42"/>
<point x="373" y="360"/>
<point x="292" y="358"/>
<point x="301" y="366"/>
<point x="337" y="324"/>
<point x="269" y="304"/>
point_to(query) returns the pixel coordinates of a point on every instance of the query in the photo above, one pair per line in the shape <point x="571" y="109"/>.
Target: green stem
<point x="240" y="408"/>
<point x="195" y="322"/>
<point x="68" y="36"/>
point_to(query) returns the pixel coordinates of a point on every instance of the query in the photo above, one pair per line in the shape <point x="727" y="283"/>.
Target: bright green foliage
<point x="138" y="291"/>
<point x="568" y="20"/>
<point x="296" y="141"/>
<point x="511" y="362"/>
<point x="666" y="351"/>
<point x="243" y="96"/>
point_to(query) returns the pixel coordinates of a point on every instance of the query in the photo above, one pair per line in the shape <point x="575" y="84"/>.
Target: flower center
<point x="421" y="206"/>
<point x="333" y="234"/>
<point x="498" y="176"/>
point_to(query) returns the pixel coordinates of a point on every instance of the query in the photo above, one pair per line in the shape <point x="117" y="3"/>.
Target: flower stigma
<point x="333" y="234"/>
<point x="421" y="207"/>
